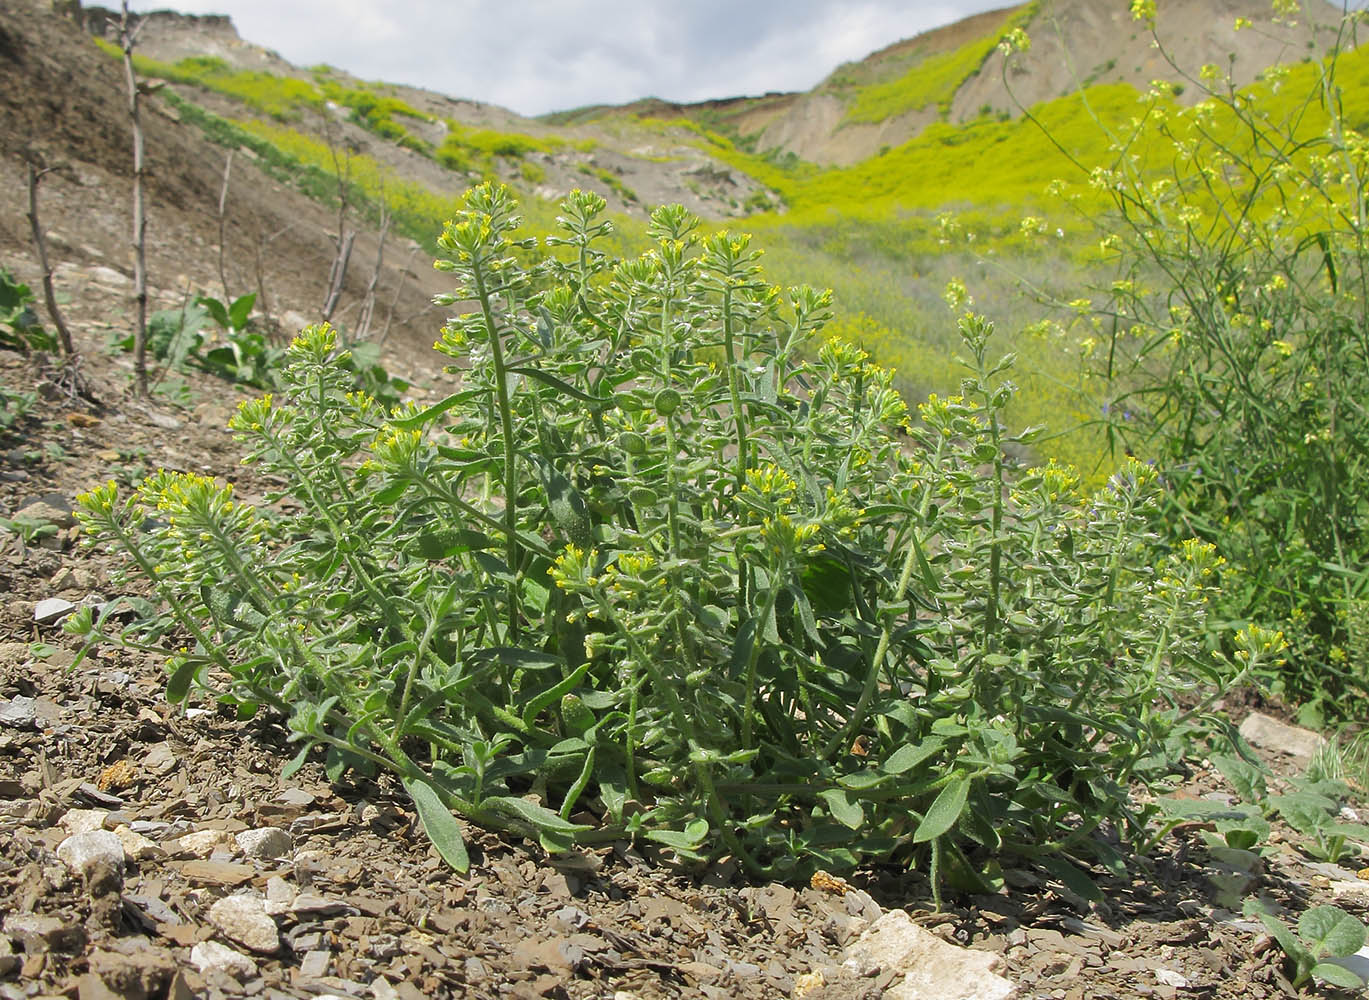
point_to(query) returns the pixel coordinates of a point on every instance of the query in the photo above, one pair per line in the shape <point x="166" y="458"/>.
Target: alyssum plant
<point x="652" y="572"/>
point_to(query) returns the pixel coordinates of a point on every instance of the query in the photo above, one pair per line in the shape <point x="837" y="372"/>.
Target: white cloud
<point x="541" y="55"/>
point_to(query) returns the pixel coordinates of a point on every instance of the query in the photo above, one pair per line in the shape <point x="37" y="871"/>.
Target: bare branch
<point x="40" y="245"/>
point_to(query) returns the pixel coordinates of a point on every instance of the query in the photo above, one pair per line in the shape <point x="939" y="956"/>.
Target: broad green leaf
<point x="1329" y="930"/>
<point x="240" y="310"/>
<point x="1336" y="975"/>
<point x="944" y="812"/>
<point x="1288" y="941"/>
<point x="1247" y="779"/>
<point x="691" y="838"/>
<point x="908" y="756"/>
<point x="843" y="810"/>
<point x="216" y="309"/>
<point x="439" y="824"/>
<point x="182" y="676"/>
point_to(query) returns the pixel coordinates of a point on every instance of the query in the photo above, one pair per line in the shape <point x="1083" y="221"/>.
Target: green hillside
<point x="994" y="202"/>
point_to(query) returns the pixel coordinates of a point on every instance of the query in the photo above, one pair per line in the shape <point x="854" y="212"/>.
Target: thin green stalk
<point x="847" y="732"/>
<point x="501" y="388"/>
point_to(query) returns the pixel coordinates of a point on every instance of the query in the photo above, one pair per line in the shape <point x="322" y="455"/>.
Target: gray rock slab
<point x="1269" y="733"/>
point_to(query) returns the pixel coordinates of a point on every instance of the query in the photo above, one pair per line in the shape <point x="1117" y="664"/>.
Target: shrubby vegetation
<point x="651" y="573"/>
<point x="676" y="563"/>
<point x="1233" y="339"/>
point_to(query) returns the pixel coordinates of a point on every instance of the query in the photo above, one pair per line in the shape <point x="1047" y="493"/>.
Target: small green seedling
<point x="1317" y="817"/>
<point x="29" y="529"/>
<point x="1323" y="932"/>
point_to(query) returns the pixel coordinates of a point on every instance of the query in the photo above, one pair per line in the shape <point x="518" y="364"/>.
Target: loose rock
<point x="931" y="968"/>
<point x="19" y="713"/>
<point x="37" y="933"/>
<point x="136" y="846"/>
<point x="84" y="820"/>
<point x="245" y="920"/>
<point x="265" y="843"/>
<point x="82" y="851"/>
<point x="51" y="610"/>
<point x="1271" y="734"/>
<point x="210" y="956"/>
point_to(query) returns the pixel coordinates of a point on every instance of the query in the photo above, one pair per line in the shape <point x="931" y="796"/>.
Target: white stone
<point x="1168" y="977"/>
<point x="382" y="990"/>
<point x="279" y="895"/>
<point x="83" y="850"/>
<point x="265" y="843"/>
<point x="931" y="969"/>
<point x="1356" y="889"/>
<point x="245" y="920"/>
<point x="20" y="712"/>
<point x="203" y="843"/>
<point x="83" y="820"/>
<point x="209" y="955"/>
<point x="1271" y="734"/>
<point x="136" y="846"/>
<point x="51" y="610"/>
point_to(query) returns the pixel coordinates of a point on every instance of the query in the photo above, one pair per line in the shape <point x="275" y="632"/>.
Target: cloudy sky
<point x="536" y="56"/>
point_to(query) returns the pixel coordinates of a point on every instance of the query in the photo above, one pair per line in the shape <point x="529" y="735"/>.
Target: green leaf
<point x="297" y="761"/>
<point x="1247" y="779"/>
<point x="945" y="811"/>
<point x="439" y="824"/>
<point x="216" y="309"/>
<point x="182" y="676"/>
<point x="241" y="309"/>
<point x="1329" y="930"/>
<point x="553" y="694"/>
<point x="690" y="839"/>
<point x="908" y="756"/>
<point x="1288" y="941"/>
<point x="427" y="416"/>
<point x="539" y="816"/>
<point x="1073" y="879"/>
<point x="598" y="402"/>
<point x="1336" y="975"/>
<point x="843" y="810"/>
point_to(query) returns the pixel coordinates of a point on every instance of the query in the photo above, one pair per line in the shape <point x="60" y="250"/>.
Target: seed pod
<point x="577" y="717"/>
<point x="667" y="401"/>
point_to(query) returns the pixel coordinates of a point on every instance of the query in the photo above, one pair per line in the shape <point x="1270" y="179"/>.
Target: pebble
<point x="203" y="843"/>
<point x="279" y="895"/>
<point x="41" y="933"/>
<point x="136" y="846"/>
<point x="245" y="920"/>
<point x="51" y="610"/>
<point x="83" y="850"/>
<point x="210" y="955"/>
<point x="160" y="759"/>
<point x="315" y="964"/>
<point x="83" y="820"/>
<point x="1168" y="977"/>
<point x="53" y="509"/>
<point x="19" y="712"/>
<point x="265" y="843"/>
